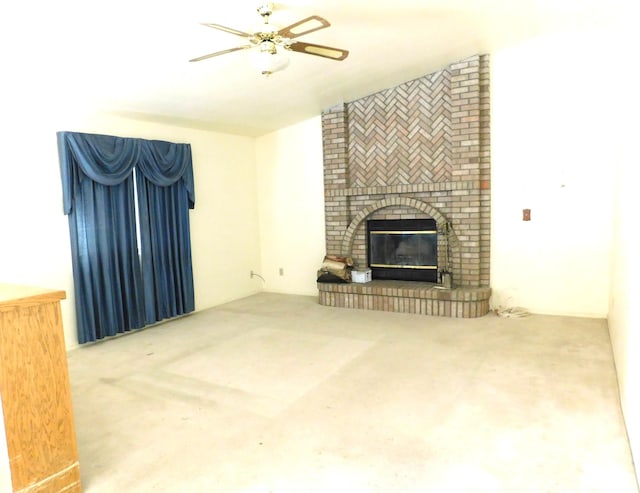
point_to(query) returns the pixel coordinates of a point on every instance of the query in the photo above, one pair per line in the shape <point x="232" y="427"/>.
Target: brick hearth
<point x="407" y="297"/>
<point x="418" y="150"/>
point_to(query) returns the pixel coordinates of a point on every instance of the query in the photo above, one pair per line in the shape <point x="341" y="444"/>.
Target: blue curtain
<point x="165" y="194"/>
<point x="114" y="293"/>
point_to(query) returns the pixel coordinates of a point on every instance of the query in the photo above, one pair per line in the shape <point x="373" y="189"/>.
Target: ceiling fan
<point x="269" y="39"/>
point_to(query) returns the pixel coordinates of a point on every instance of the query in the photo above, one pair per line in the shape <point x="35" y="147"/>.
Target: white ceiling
<point x="130" y="57"/>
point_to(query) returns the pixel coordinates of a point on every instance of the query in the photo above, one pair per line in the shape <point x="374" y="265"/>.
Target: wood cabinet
<point x="35" y="392"/>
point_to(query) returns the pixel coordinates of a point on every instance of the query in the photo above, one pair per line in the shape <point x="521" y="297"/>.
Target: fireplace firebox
<point x="405" y="249"/>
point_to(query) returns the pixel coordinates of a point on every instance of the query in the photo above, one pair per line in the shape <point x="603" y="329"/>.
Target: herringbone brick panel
<point x="402" y="135"/>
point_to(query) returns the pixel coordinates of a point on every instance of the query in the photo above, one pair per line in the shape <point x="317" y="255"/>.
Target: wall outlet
<point x="251" y="274"/>
<point x="281" y="270"/>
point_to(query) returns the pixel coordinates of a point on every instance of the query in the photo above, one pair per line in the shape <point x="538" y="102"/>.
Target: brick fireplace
<point x="420" y="150"/>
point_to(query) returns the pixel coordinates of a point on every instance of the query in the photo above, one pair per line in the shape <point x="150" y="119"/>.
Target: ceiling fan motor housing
<point x="267" y="46"/>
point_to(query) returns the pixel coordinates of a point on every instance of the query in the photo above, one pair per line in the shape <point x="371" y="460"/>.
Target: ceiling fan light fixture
<point x="267" y="59"/>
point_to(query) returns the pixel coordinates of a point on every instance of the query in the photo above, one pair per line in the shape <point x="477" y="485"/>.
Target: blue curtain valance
<point x="109" y="160"/>
<point x="164" y="163"/>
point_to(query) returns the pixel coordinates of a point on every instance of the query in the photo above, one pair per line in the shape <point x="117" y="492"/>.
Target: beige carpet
<point x="275" y="393"/>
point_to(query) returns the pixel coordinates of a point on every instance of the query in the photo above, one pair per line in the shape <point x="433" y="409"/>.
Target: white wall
<point x="35" y="248"/>
<point x="551" y="153"/>
<point x="564" y="133"/>
<point x="624" y="311"/>
<point x="291" y="204"/>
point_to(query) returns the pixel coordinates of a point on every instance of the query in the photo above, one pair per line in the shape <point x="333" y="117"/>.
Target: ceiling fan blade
<point x="217" y="53"/>
<point x="319" y="50"/>
<point x="305" y="26"/>
<point x="227" y="29"/>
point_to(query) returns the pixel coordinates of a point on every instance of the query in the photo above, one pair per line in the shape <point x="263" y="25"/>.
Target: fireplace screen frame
<point x="396" y="228"/>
